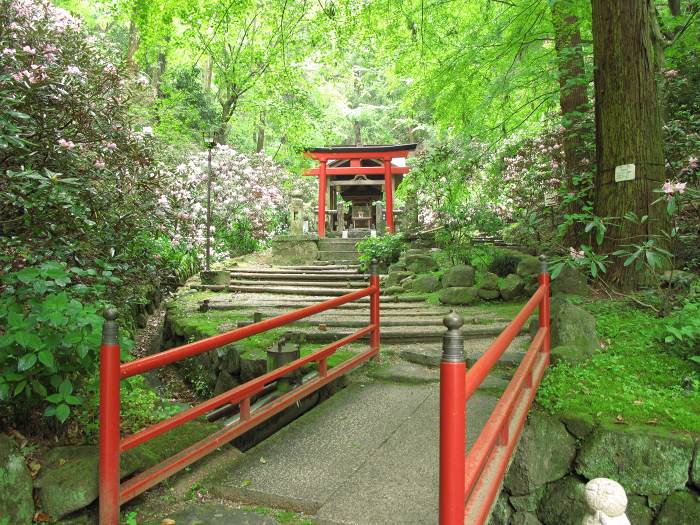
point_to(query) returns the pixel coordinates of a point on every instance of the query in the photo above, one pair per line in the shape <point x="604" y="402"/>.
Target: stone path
<point x="368" y="455"/>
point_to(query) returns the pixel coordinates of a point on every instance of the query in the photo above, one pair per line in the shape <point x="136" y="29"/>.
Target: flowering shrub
<point x="249" y="197"/>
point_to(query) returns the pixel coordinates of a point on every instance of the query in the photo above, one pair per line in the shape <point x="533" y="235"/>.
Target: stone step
<point x="320" y="293"/>
<point x="337" y="246"/>
<point x="338" y="256"/>
<point x="320" y="266"/>
<point x="340" y="285"/>
<point x="287" y="304"/>
<point x="315" y="276"/>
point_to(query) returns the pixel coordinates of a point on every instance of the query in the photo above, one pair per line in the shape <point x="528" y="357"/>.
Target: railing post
<point x="109" y="421"/>
<point x="544" y="306"/>
<point x="374" y="308"/>
<point x="452" y="423"/>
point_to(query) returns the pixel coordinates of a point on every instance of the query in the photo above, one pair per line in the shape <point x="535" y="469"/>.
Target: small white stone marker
<point x="607" y="502"/>
<point x="624" y="172"/>
<point x="344" y="234"/>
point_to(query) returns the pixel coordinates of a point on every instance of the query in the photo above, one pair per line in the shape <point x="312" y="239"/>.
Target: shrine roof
<point x="376" y="148"/>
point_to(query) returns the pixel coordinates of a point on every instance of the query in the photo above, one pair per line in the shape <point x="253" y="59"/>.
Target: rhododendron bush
<point x="248" y="200"/>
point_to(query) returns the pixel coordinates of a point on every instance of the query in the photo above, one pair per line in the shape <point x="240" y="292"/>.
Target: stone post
<point x="340" y="217"/>
<point x="380" y="218"/>
<point x="296" y="214"/>
<point x="607" y="502"/>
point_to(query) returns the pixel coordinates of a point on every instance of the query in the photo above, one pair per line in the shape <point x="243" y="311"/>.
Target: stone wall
<point x="557" y="456"/>
<point x="294" y="249"/>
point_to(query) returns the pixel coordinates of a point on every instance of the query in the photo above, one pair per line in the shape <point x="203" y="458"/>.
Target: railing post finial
<point x="544" y="267"/>
<point x="374" y="267"/>
<point x="452" y="339"/>
<point x="110" y="329"/>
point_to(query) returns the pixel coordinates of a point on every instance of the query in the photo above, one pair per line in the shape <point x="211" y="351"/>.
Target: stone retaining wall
<point x="556" y="456"/>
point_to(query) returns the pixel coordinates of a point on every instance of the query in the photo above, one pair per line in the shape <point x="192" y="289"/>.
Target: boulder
<point x="420" y="263"/>
<point x="678" y="278"/>
<point x="425" y="283"/>
<point x="488" y="295"/>
<point x="229" y="359"/>
<point x="695" y="468"/>
<point x="16" y="502"/>
<point x="458" y="295"/>
<point x="534" y="465"/>
<point x="489" y="281"/>
<point x="397" y="267"/>
<point x="393" y="290"/>
<point x="461" y="275"/>
<point x="527" y="503"/>
<point x="225" y="382"/>
<point x="511" y="287"/>
<point x="528" y="265"/>
<point x="407" y="283"/>
<point x="395" y="278"/>
<point x="569" y="281"/>
<point x="579" y="425"/>
<point x="569" y="354"/>
<point x="221" y="277"/>
<point x="681" y="507"/>
<point x="638" y="511"/>
<point x="252" y="366"/>
<point x="68" y="480"/>
<point x="524" y="518"/>
<point x="294" y="249"/>
<point x="573" y="326"/>
<point x="564" y="503"/>
<point x="500" y="514"/>
<point x="642" y="461"/>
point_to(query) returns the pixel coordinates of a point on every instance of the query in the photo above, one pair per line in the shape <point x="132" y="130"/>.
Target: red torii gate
<point x="381" y="155"/>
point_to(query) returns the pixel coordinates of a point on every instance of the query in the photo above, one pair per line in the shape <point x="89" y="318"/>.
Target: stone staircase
<point x="338" y="250"/>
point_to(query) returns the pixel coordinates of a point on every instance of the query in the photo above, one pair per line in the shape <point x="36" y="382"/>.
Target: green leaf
<point x="66" y="388"/>
<point x="28" y="340"/>
<point x="74" y="400"/>
<point x="27" y="275"/>
<point x="26" y="362"/>
<point x="19" y="388"/>
<point x="55" y="398"/>
<point x="39" y="388"/>
<point x="62" y="412"/>
<point x="46" y="359"/>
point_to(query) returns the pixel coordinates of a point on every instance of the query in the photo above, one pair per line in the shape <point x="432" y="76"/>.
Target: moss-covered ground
<point x="633" y="379"/>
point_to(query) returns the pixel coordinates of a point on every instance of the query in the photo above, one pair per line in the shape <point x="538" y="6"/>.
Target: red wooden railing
<point x="112" y="494"/>
<point x="469" y="486"/>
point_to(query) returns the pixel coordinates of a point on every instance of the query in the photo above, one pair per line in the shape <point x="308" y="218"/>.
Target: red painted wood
<point x="322" y="181"/>
<point x="365" y="170"/>
<point x="109" y="434"/>
<point x="374" y="315"/>
<point x="389" y="196"/>
<point x="372" y="155"/>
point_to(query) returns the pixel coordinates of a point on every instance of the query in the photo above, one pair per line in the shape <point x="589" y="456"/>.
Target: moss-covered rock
<point x="695" y="468"/>
<point x="290" y="249"/>
<point x="461" y="275"/>
<point x="398" y="266"/>
<point x="215" y="277"/>
<point x="680" y="508"/>
<point x="68" y="480"/>
<point x="420" y="263"/>
<point x="524" y="518"/>
<point x="489" y="281"/>
<point x="533" y="464"/>
<point x="501" y="512"/>
<point x="16" y="502"/>
<point x="528" y="265"/>
<point x="458" y="295"/>
<point x="395" y="278"/>
<point x="579" y="425"/>
<point x="528" y="502"/>
<point x="642" y="461"/>
<point x="512" y="287"/>
<point x="570" y="354"/>
<point x="563" y="503"/>
<point x="638" y="511"/>
<point x="573" y="326"/>
<point x="393" y="290"/>
<point x="569" y="281"/>
<point x="425" y="283"/>
<point x="488" y="295"/>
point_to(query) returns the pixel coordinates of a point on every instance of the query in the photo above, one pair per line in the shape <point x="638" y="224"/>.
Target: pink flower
<point x="671" y="73"/>
<point x="668" y="187"/>
<point x="100" y="164"/>
<point x="73" y="70"/>
<point x="693" y="163"/>
<point x="575" y="254"/>
<point x="66" y="144"/>
<point x="110" y="69"/>
<point x="111" y="146"/>
<point x="9" y="52"/>
<point x="29" y="50"/>
<point x="679" y="187"/>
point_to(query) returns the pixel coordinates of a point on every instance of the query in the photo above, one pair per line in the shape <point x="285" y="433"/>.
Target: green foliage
<point x="50" y="338"/>
<point x="683" y="327"/>
<point x="386" y="249"/>
<point x="630" y="379"/>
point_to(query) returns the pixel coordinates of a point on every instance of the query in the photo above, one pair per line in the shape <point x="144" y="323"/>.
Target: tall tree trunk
<point x="628" y="126"/>
<point x="228" y="106"/>
<point x="573" y="99"/>
<point x="134" y="41"/>
<point x="158" y="72"/>
<point x="260" y="140"/>
<point x="357" y="129"/>
<point x="675" y="7"/>
<point x="206" y="73"/>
